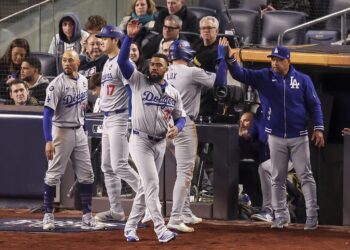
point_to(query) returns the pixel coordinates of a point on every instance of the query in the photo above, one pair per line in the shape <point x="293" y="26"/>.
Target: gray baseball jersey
<point x="115" y="152"/>
<point x="68" y="97"/>
<point x="153" y="108"/>
<point x="189" y="81"/>
<point x="113" y="92"/>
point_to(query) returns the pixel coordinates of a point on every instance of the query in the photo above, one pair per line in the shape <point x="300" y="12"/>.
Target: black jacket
<point x="189" y="20"/>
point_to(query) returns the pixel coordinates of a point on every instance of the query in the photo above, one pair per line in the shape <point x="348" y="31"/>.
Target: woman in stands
<point x="145" y="12"/>
<point x="136" y="56"/>
<point x="10" y="64"/>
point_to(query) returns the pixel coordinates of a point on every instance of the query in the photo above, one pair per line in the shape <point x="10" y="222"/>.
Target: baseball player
<point x="291" y="96"/>
<point x="188" y="81"/>
<point x="114" y="106"/>
<point x="65" y="105"/>
<point x="155" y="105"/>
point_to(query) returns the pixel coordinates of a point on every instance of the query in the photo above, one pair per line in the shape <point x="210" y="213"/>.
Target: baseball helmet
<point x="180" y="49"/>
<point x="111" y="31"/>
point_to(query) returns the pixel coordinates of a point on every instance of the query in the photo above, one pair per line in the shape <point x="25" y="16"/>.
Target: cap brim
<point x="281" y="57"/>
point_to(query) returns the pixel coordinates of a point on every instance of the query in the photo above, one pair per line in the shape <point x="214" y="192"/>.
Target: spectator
<point x="31" y="74"/>
<point x="171" y="31"/>
<point x="94" y="85"/>
<point x="94" y="24"/>
<point x="94" y="60"/>
<point x="206" y="48"/>
<point x="295" y="5"/>
<point x="178" y="8"/>
<point x="137" y="58"/>
<point x="19" y="94"/>
<point x="145" y="12"/>
<point x="165" y="47"/>
<point x="69" y="37"/>
<point x="205" y="57"/>
<point x="10" y="64"/>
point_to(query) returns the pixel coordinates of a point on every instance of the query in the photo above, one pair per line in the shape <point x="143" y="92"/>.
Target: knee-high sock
<point x="86" y="197"/>
<point x="49" y="196"/>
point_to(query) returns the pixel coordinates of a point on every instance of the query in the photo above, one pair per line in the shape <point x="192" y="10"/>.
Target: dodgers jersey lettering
<point x="68" y="97"/>
<point x="189" y="81"/>
<point x="113" y="92"/>
<point x="153" y="108"/>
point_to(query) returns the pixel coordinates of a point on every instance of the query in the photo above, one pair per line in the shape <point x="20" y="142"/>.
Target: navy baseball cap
<point x="280" y="52"/>
<point x="111" y="31"/>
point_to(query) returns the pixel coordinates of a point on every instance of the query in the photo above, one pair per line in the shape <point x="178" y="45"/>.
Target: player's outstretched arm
<point x="47" y="125"/>
<point x="125" y="66"/>
<point x="221" y="72"/>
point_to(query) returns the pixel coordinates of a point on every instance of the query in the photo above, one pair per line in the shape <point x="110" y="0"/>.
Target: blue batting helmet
<point x="111" y="31"/>
<point x="180" y="49"/>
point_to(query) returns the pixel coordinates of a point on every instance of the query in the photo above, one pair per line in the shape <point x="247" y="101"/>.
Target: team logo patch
<point x="293" y="83"/>
<point x="51" y="88"/>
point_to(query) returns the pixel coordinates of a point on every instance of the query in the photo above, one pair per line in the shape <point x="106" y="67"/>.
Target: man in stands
<point x="19" y="94"/>
<point x="171" y="31"/>
<point x="31" y="74"/>
<point x="178" y="8"/>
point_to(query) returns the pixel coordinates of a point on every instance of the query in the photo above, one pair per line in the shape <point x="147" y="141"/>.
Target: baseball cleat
<point x="311" y="223"/>
<point x="131" y="236"/>
<point x="180" y="227"/>
<point x="262" y="216"/>
<point x="192" y="219"/>
<point x="167" y="236"/>
<point x="279" y="223"/>
<point x="109" y="216"/>
<point x="48" y="221"/>
<point x="88" y="222"/>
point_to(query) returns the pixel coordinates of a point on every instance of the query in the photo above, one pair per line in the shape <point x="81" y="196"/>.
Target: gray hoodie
<point x="60" y="41"/>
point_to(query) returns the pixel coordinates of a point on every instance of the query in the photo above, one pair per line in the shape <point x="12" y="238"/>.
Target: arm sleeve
<point x="123" y="59"/>
<point x="180" y="123"/>
<point x="47" y="123"/>
<point x="221" y="74"/>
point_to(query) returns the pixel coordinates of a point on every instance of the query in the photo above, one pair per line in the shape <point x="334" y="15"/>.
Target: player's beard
<point x="155" y="78"/>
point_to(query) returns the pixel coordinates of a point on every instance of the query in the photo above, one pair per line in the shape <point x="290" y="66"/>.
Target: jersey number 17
<point x="110" y="89"/>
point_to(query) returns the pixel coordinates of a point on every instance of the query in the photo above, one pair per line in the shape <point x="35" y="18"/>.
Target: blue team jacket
<point x="290" y="99"/>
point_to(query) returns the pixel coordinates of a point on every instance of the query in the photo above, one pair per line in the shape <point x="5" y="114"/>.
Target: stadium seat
<point x="247" y="24"/>
<point x="334" y="6"/>
<point x="321" y="36"/>
<point x="277" y="21"/>
<point x="252" y="4"/>
<point x="48" y="63"/>
<point x="200" y="12"/>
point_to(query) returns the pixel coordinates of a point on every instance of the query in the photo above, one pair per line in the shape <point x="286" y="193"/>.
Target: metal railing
<point x="30" y="8"/>
<point x="343" y="30"/>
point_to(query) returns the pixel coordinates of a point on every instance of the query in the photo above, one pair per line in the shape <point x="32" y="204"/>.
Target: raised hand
<point x="224" y="42"/>
<point x="133" y="28"/>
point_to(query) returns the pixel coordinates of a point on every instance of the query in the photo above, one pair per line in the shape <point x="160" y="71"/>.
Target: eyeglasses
<point x="170" y="28"/>
<point x="207" y="28"/>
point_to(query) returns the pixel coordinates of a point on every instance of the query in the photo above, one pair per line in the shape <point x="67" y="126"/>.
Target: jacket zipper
<point x="284" y="108"/>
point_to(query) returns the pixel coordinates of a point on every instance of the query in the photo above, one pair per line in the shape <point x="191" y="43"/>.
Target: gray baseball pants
<point x="297" y="150"/>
